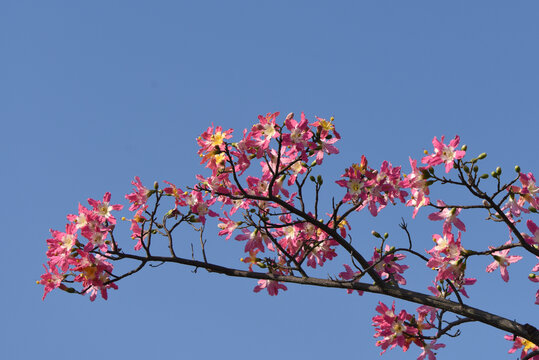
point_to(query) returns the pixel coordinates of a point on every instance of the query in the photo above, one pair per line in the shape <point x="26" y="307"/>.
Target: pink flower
<point x="502" y="261"/>
<point x="518" y="343"/>
<point x="514" y="207"/>
<point x="271" y="285"/>
<point x="444" y="153"/>
<point x="392" y="328"/>
<point x="212" y="147"/>
<point x="60" y="247"/>
<point x="177" y="193"/>
<point x="389" y="268"/>
<point x="534" y="229"/>
<point x="256" y="240"/>
<point x="299" y="136"/>
<point x="428" y="352"/>
<point x="138" y="197"/>
<point x="324" y="127"/>
<point x="136" y="231"/>
<point x="264" y="131"/>
<point x="530" y="190"/>
<point x="199" y="206"/>
<point x="103" y="209"/>
<point x="51" y="280"/>
<point x="449" y="216"/>
<point x="227" y="226"/>
<point x="94" y="274"/>
<point x="349" y="274"/>
<point x="418" y="186"/>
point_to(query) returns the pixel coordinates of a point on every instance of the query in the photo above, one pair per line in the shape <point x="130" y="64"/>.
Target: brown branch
<point x="525" y="331"/>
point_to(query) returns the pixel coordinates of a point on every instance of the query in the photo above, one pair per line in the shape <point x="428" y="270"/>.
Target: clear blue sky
<point x="94" y="93"/>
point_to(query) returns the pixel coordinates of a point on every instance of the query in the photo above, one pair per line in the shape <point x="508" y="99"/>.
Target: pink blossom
<point x="139" y="196"/>
<point x="256" y="240"/>
<point x="388" y="268"/>
<point x="299" y="136"/>
<point x="349" y="274"/>
<point x="392" y="328"/>
<point x="530" y="190"/>
<point x="103" y="209"/>
<point x="199" y="206"/>
<point x="51" y="280"/>
<point x="526" y="345"/>
<point x="514" y="207"/>
<point x="264" y="131"/>
<point x="227" y="226"/>
<point x="320" y="252"/>
<point x="94" y="274"/>
<point x="60" y="247"/>
<point x="212" y="147"/>
<point x="449" y="216"/>
<point x="324" y="127"/>
<point x="271" y="285"/>
<point x="418" y="186"/>
<point x="502" y="261"/>
<point x="136" y="231"/>
<point x="177" y="193"/>
<point x="444" y="153"/>
<point x="534" y="229"/>
<point x="427" y="350"/>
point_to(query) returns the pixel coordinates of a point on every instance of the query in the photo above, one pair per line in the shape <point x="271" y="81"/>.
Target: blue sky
<point x="94" y="93"/>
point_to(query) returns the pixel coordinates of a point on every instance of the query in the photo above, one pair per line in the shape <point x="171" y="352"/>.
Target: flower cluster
<point x="372" y="188"/>
<point x="385" y="264"/>
<point x="447" y="258"/>
<point x="70" y="256"/>
<point x="281" y="236"/>
<point x="298" y="142"/>
<point x="404" y="329"/>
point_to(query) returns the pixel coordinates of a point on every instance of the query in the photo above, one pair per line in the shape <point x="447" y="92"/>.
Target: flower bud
<point x="482" y="156"/>
<point x="466" y="169"/>
<point x="156" y="185"/>
<point x="312" y="178"/>
<point x="532" y="209"/>
<point x="493" y="174"/>
<point x="464" y="147"/>
<point x="386" y="235"/>
<point x="499" y="170"/>
<point x="476" y="168"/>
<point x="375" y="234"/>
<point x="319" y="179"/>
<point x="517" y="169"/>
<point x="290" y="116"/>
<point x="484" y="176"/>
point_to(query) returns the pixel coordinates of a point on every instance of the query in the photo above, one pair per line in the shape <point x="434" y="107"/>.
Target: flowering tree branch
<point x="290" y="241"/>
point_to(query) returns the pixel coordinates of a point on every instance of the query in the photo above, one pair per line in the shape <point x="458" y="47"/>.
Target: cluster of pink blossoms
<point x="295" y="240"/>
<point x="372" y="188"/>
<point x="299" y="141"/>
<point x="70" y="259"/>
<point x="404" y="329"/>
